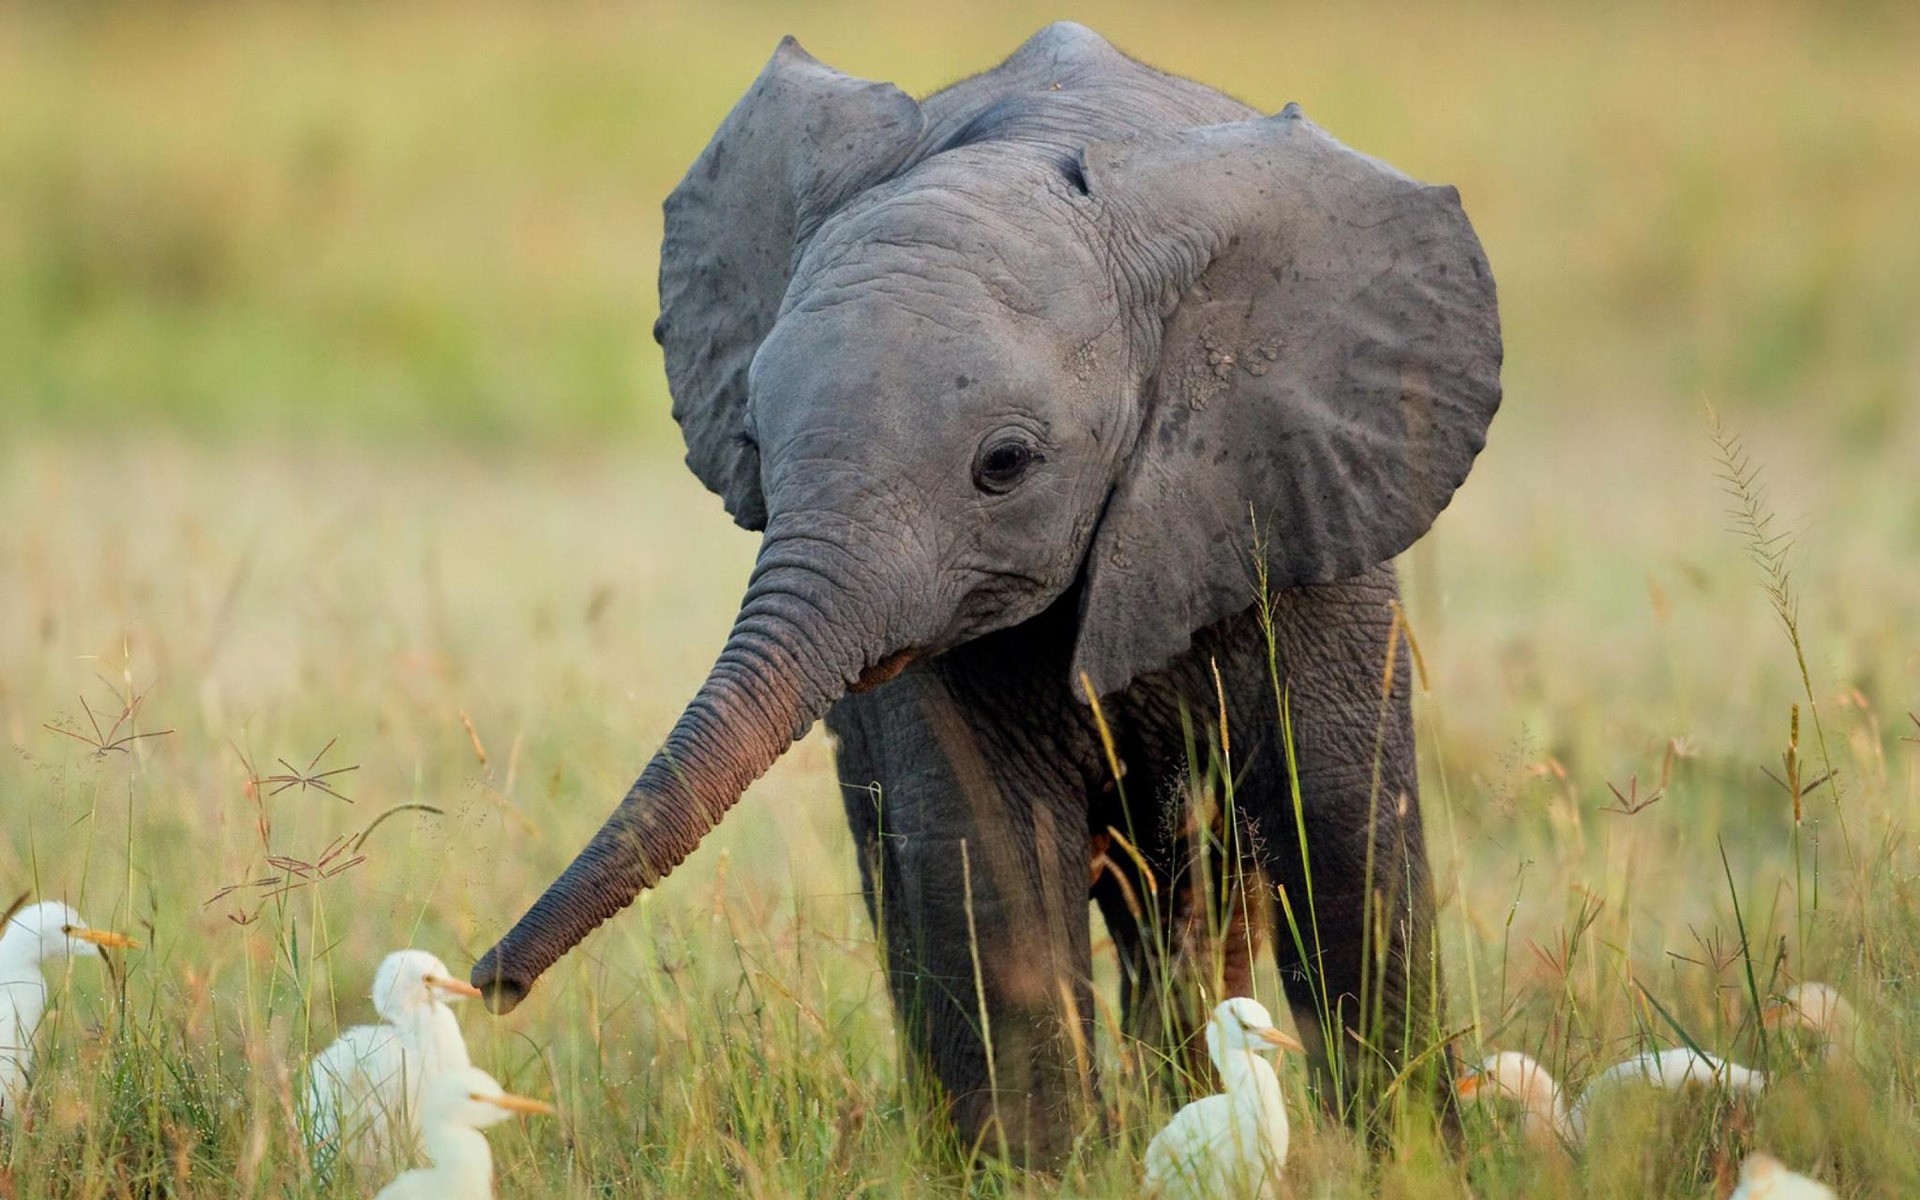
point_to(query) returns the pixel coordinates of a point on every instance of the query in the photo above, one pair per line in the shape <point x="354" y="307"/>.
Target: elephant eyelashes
<point x="1002" y="464"/>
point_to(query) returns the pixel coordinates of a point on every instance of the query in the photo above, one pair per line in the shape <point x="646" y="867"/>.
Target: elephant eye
<point x="1002" y="463"/>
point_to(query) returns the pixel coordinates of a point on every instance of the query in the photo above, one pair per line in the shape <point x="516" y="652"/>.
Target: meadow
<point x="331" y="440"/>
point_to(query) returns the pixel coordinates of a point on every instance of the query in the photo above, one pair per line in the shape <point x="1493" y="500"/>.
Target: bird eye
<point x="1003" y="461"/>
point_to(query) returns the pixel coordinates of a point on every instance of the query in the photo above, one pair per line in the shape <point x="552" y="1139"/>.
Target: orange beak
<point x="105" y="939"/>
<point x="1286" y="1041"/>
<point x="1465" y="1086"/>
<point x="458" y="987"/>
<point x="520" y="1104"/>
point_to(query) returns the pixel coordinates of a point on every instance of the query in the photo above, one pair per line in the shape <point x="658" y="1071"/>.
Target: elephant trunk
<point x="780" y="670"/>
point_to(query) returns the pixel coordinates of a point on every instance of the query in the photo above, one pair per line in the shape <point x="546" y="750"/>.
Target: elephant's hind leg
<point x="1178" y="907"/>
<point x="1363" y="979"/>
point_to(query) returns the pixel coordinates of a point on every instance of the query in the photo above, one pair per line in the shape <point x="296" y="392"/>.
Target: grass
<point x="333" y="434"/>
<point x="503" y="642"/>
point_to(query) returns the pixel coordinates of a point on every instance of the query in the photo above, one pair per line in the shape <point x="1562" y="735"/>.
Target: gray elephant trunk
<point x="778" y="673"/>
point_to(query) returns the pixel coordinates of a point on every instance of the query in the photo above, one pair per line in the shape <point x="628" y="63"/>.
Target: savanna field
<point x="349" y="573"/>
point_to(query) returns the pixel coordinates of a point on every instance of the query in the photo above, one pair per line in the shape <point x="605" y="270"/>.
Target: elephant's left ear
<point x="1329" y="362"/>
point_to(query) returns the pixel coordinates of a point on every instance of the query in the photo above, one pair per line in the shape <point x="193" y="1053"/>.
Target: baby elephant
<point x="1080" y="409"/>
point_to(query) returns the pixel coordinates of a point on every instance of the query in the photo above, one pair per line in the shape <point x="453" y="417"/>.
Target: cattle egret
<point x="457" y="1106"/>
<point x="1546" y="1116"/>
<point x="35" y="935"/>
<point x="1678" y="1070"/>
<point x="1232" y="1145"/>
<point x="1763" y="1178"/>
<point x="1516" y="1078"/>
<point x="1816" y="1008"/>
<point x="364" y="1091"/>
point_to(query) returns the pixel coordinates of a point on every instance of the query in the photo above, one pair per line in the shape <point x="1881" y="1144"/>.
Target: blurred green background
<point x="440" y="221"/>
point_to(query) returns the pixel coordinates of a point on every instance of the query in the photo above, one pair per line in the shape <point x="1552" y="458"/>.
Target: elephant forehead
<point x="899" y="346"/>
<point x="974" y="243"/>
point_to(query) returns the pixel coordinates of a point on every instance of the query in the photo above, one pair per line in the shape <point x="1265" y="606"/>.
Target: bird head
<point x="1244" y="1023"/>
<point x="1510" y="1076"/>
<point x="1815" y="1008"/>
<point x="413" y="981"/>
<point x="1761" y="1174"/>
<point x="472" y="1099"/>
<point x="54" y="930"/>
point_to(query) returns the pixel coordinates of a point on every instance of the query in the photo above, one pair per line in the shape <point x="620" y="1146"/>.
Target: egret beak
<point x="519" y="1104"/>
<point x="1465" y="1086"/>
<point x="458" y="987"/>
<point x="104" y="939"/>
<point x="1778" y="1013"/>
<point x="1275" y="1037"/>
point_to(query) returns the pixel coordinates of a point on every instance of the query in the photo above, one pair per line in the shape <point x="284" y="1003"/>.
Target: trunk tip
<point x="500" y="990"/>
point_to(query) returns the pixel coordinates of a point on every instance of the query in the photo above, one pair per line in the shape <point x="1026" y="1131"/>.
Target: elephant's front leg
<point x="976" y="871"/>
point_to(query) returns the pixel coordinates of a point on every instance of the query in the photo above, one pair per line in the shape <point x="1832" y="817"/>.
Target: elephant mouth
<point x="883" y="671"/>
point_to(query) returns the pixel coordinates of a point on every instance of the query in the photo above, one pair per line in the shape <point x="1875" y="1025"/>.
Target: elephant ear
<point x="1329" y="362"/>
<point x="801" y="143"/>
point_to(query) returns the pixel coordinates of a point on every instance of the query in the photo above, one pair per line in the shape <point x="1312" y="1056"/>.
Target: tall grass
<point x="502" y="643"/>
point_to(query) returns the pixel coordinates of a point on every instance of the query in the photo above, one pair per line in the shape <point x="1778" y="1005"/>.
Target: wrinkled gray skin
<point x="1024" y="382"/>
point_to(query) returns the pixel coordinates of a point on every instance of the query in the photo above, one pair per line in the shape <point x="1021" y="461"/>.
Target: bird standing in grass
<point x="30" y="937"/>
<point x="364" y="1091"/>
<point x="1232" y="1146"/>
<point x="1677" y="1070"/>
<point x="1547" y="1117"/>
<point x="1819" y="1009"/>
<point x="457" y="1106"/>
<point x="1516" y="1078"/>
<point x="1762" y="1177"/>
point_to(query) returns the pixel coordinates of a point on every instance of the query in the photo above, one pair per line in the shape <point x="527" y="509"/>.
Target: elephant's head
<point x="957" y="369"/>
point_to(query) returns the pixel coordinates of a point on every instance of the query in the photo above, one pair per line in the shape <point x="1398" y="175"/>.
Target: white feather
<point x="364" y="1090"/>
<point x="1819" y="1009"/>
<point x="457" y="1105"/>
<point x="36" y="935"/>
<point x="1513" y="1076"/>
<point x="1232" y="1146"/>
<point x="1762" y="1177"/>
<point x="1676" y="1070"/>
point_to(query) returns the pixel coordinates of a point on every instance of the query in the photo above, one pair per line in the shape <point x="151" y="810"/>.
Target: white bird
<point x="1232" y="1145"/>
<point x="1677" y="1070"/>
<point x="1816" y="1008"/>
<point x="1516" y="1078"/>
<point x="364" y="1091"/>
<point x="34" y="935"/>
<point x="1762" y="1177"/>
<point x="1547" y="1117"/>
<point x="457" y="1106"/>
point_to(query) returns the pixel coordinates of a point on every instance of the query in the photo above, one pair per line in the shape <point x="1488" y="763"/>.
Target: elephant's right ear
<point x="801" y="143"/>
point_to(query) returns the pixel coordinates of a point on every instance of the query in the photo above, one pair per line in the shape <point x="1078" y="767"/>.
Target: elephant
<point x="1081" y="410"/>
